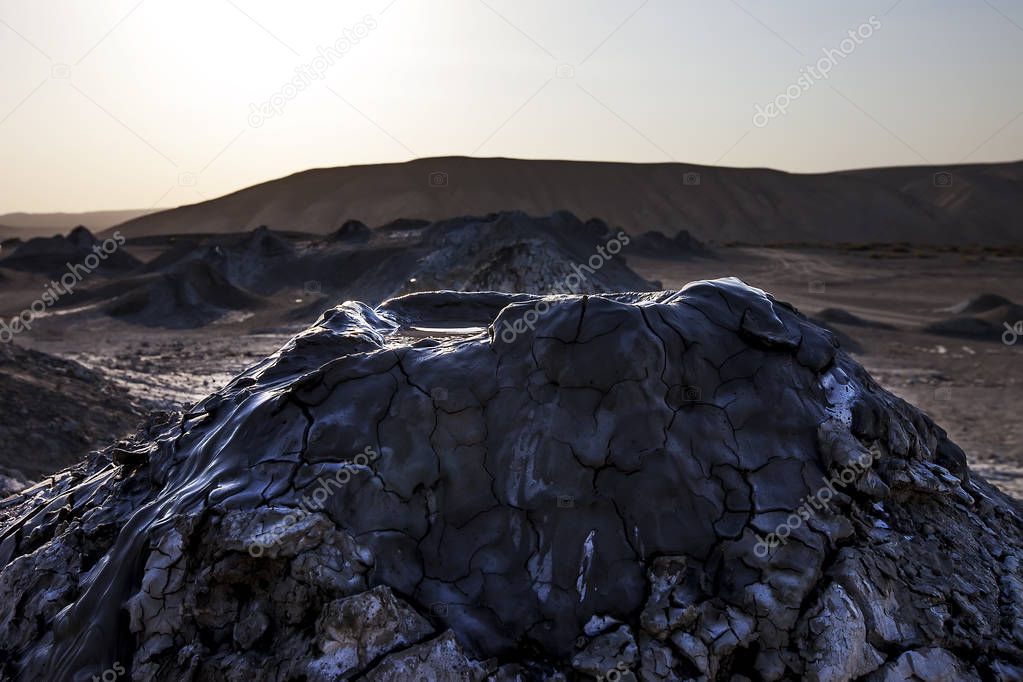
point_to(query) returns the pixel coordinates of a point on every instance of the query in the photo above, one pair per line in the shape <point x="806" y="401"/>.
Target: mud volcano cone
<point x="677" y="485"/>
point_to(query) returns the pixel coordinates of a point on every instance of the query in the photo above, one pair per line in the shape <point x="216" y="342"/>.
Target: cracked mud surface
<point x="406" y="492"/>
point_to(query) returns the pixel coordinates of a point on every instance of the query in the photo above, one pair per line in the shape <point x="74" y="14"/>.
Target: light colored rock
<point x="354" y="631"/>
<point x="614" y="650"/>
<point x="437" y="660"/>
<point x="837" y="649"/>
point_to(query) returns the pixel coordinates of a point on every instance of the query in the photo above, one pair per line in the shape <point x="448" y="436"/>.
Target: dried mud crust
<point x="587" y="497"/>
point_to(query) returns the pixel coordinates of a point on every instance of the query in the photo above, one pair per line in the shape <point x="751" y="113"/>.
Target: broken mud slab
<point x="629" y="482"/>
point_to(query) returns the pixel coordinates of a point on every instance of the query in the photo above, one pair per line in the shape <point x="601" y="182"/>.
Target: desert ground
<point x="970" y="385"/>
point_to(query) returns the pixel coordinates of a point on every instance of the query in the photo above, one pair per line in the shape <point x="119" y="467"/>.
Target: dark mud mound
<point x="260" y="261"/>
<point x="266" y="263"/>
<point x="404" y="225"/>
<point x="81" y="238"/>
<point x="656" y="244"/>
<point x="498" y="252"/>
<point x="692" y="484"/>
<point x="199" y="278"/>
<point x="192" y="294"/>
<point x="54" y="412"/>
<point x="985" y="318"/>
<point x="979" y="304"/>
<point x="352" y="230"/>
<point x="53" y="256"/>
<point x="842" y="316"/>
<point x="373" y="274"/>
<point x="508" y="251"/>
<point x="964" y="328"/>
<point x="512" y="251"/>
<point x="179" y="250"/>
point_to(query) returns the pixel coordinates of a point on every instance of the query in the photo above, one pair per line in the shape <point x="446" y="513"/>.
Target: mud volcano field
<point x="498" y="466"/>
<point x="165" y="318"/>
<point x="693" y="484"/>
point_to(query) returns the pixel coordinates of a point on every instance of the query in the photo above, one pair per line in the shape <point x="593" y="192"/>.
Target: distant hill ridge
<point x="27" y="225"/>
<point x="967" y="204"/>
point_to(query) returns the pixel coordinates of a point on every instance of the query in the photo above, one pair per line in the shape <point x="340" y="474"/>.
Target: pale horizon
<point x="144" y="105"/>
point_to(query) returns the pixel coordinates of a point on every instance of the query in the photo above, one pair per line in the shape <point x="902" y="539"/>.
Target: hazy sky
<point x="126" y="104"/>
